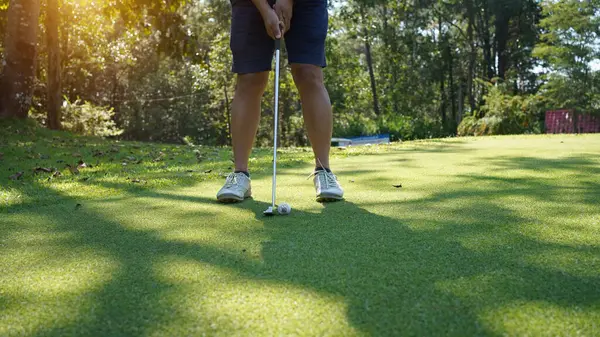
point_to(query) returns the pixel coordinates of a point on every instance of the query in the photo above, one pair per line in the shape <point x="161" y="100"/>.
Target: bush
<point x="505" y="114"/>
<point x="87" y="119"/>
<point x="354" y="126"/>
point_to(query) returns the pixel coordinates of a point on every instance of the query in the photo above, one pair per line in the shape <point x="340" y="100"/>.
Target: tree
<point x="20" y="58"/>
<point x="54" y="65"/>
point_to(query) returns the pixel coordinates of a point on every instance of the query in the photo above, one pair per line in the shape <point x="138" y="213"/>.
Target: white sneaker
<point x="327" y="186"/>
<point x="237" y="188"/>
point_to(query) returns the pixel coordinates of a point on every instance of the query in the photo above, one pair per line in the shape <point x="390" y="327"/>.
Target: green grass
<point x="488" y="236"/>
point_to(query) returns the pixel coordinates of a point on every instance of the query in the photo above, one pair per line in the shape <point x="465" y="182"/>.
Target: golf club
<point x="271" y="210"/>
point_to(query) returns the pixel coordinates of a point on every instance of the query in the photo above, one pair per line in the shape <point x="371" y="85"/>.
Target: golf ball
<point x="284" y="209"/>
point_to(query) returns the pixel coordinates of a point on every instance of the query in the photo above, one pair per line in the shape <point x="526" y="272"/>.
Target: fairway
<point x="487" y="236"/>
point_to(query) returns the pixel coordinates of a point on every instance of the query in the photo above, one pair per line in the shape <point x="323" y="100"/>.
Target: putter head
<point x="269" y="212"/>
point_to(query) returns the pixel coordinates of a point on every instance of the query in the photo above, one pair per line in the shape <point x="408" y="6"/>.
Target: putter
<point x="273" y="208"/>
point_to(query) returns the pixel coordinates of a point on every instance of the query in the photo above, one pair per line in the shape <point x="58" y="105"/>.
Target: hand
<point x="284" y="9"/>
<point x="272" y="23"/>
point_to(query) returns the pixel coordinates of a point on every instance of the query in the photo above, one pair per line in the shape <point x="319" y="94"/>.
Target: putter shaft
<point x="276" y="119"/>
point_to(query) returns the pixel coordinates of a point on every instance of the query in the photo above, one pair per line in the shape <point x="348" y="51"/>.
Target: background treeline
<point x="160" y="70"/>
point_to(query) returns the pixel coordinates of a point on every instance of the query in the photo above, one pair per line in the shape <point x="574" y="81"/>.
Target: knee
<point x="252" y="84"/>
<point x="307" y="76"/>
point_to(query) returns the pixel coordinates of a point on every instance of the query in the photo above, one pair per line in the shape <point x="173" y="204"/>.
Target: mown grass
<point x="486" y="236"/>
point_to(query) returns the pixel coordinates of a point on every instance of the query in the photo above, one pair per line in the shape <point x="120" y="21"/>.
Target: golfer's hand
<point x="284" y="9"/>
<point x="272" y="23"/>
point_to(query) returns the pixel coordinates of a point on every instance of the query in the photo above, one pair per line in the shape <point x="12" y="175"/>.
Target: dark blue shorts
<point x="252" y="48"/>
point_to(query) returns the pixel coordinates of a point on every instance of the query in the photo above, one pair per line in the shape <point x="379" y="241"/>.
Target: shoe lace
<point x="326" y="178"/>
<point x="231" y="180"/>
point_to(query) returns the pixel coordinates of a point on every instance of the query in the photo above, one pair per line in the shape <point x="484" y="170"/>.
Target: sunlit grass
<point x="486" y="236"/>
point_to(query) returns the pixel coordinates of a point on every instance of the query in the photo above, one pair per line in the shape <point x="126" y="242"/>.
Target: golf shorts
<point x="253" y="49"/>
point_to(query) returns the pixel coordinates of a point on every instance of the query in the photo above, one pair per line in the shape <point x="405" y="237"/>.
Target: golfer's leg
<point x="316" y="108"/>
<point x="305" y="42"/>
<point x="245" y="115"/>
<point x="252" y="51"/>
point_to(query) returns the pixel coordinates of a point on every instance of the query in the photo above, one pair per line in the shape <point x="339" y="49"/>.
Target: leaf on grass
<point x="136" y="181"/>
<point x="124" y="163"/>
<point x="82" y="164"/>
<point x="16" y="176"/>
<point x="397" y="186"/>
<point x="208" y="171"/>
<point x="42" y="169"/>
<point x="160" y="157"/>
<point x="56" y="174"/>
<point x="74" y="170"/>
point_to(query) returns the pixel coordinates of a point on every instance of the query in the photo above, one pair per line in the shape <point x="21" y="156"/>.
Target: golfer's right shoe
<point x="327" y="186"/>
<point x="237" y="188"/>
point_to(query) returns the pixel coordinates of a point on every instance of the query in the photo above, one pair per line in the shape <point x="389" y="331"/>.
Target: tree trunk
<point x="487" y="44"/>
<point x="472" y="57"/>
<point x="502" y="22"/>
<point x="370" y="64"/>
<point x="54" y="65"/>
<point x="18" y="75"/>
<point x="441" y="42"/>
<point x="451" y="85"/>
<point x="372" y="76"/>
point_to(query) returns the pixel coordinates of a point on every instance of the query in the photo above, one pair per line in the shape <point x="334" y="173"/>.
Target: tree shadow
<point x="404" y="275"/>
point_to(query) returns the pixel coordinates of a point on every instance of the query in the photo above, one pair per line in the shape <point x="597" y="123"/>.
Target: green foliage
<point x="505" y="113"/>
<point x="85" y="118"/>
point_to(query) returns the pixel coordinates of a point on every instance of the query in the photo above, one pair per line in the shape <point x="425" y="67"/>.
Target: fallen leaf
<point x="42" y="169"/>
<point x="82" y="164"/>
<point x="208" y="171"/>
<point x="135" y="181"/>
<point x="56" y="174"/>
<point x="73" y="169"/>
<point x="16" y="176"/>
<point x="124" y="163"/>
<point x="397" y="186"/>
<point x="160" y="157"/>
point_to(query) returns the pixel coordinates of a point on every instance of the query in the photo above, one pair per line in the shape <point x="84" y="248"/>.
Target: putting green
<point x="486" y="236"/>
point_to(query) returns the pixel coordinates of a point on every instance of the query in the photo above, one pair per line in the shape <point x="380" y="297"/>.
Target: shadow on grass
<point x="407" y="275"/>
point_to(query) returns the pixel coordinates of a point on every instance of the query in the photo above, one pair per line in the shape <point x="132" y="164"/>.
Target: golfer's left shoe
<point x="327" y="186"/>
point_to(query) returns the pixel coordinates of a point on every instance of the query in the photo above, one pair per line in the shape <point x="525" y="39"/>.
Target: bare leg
<point x="245" y="115"/>
<point x="316" y="108"/>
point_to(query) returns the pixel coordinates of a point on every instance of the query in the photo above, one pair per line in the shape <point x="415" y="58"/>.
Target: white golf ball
<point x="284" y="209"/>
